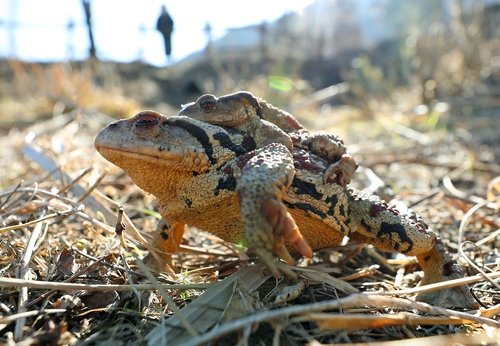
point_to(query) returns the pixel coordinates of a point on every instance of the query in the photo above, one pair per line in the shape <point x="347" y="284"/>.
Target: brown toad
<point x="268" y="197"/>
<point x="268" y="124"/>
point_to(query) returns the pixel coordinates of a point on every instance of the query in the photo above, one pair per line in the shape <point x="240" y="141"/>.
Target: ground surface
<point x="441" y="163"/>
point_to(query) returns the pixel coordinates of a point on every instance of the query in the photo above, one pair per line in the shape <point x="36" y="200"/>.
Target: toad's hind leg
<point x="166" y="241"/>
<point x="375" y="222"/>
<point x="439" y="264"/>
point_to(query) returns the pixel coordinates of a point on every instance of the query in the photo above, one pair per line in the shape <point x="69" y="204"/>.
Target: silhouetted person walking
<point x="165" y="25"/>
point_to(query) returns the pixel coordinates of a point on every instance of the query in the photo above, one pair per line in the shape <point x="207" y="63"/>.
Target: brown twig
<point x="355" y="300"/>
<point x="47" y="285"/>
<point x="12" y="192"/>
<point x="96" y="183"/>
<point x="70" y="279"/>
<point x="44" y="218"/>
<point x="74" y="181"/>
<point x="473" y="265"/>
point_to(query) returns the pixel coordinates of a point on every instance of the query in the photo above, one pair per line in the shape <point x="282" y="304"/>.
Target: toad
<point x="267" y="124"/>
<point x="270" y="196"/>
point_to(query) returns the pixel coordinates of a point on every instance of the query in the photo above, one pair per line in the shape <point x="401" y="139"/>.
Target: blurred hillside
<point x="441" y="51"/>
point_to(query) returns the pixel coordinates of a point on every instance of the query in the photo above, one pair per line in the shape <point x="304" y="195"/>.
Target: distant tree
<point x="86" y="6"/>
<point x="401" y="16"/>
<point x="208" y="31"/>
<point x="70" y="44"/>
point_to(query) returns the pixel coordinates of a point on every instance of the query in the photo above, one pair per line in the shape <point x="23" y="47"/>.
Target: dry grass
<point x="33" y="91"/>
<point x="80" y="285"/>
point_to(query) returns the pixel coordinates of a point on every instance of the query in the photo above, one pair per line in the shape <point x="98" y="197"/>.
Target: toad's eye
<point x="207" y="104"/>
<point x="146" y="121"/>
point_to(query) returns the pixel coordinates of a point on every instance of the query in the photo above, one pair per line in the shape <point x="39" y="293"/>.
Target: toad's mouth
<point x="177" y="158"/>
<point x="159" y="156"/>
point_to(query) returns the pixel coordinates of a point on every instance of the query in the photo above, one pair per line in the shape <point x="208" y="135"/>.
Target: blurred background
<point x="329" y="62"/>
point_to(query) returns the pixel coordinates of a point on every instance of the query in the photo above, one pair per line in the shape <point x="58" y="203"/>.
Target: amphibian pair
<point x="250" y="173"/>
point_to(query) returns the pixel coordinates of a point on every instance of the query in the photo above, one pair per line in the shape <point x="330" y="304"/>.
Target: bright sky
<point x="41" y="26"/>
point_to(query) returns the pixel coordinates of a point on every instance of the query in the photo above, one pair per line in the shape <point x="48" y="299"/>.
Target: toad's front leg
<point x="166" y="242"/>
<point x="265" y="176"/>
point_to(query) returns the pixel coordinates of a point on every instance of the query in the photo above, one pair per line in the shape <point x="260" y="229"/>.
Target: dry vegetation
<point x="69" y="277"/>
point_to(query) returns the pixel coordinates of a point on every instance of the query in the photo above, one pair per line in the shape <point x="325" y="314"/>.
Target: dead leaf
<point x="101" y="300"/>
<point x="68" y="301"/>
<point x="66" y="262"/>
<point x="287" y="292"/>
